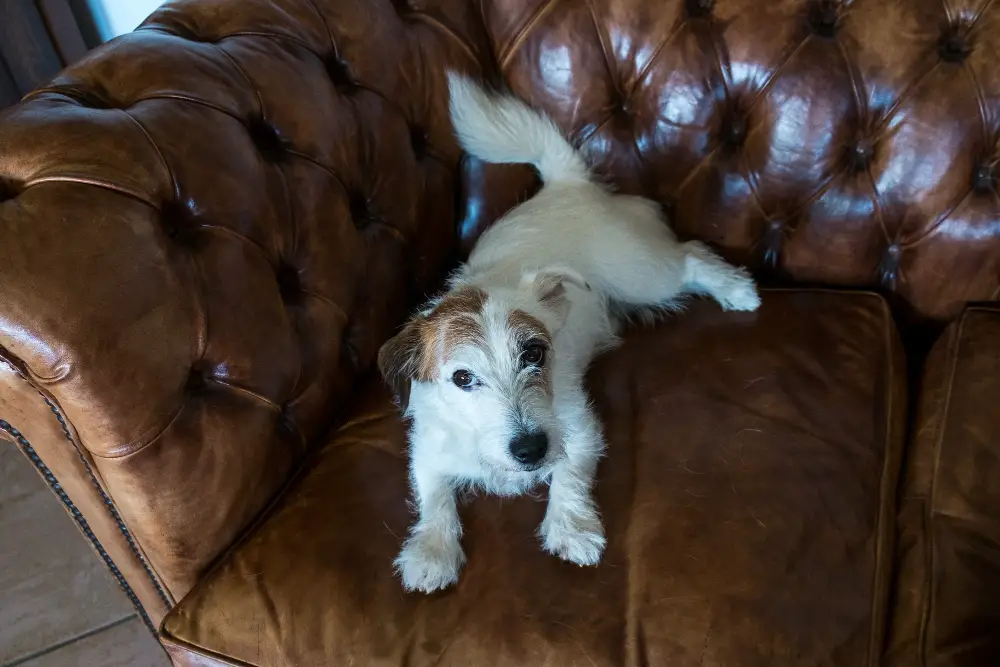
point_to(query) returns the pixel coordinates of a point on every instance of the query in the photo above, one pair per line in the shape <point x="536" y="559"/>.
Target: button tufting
<point x="174" y="218"/>
<point x="888" y="268"/>
<point x="341" y="76"/>
<point x="699" y="8"/>
<point x="861" y="153"/>
<point x="361" y="212"/>
<point x="953" y="47"/>
<point x="823" y="19"/>
<point x="419" y="141"/>
<point x="774" y="237"/>
<point x="89" y="99"/>
<point x="289" y="282"/>
<point x="984" y="179"/>
<point x="196" y="381"/>
<point x="265" y="137"/>
<point x="403" y="7"/>
<point x="7" y="190"/>
<point x="187" y="33"/>
<point x="736" y="131"/>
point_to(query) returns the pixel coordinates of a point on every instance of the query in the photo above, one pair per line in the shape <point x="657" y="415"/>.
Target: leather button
<point x="861" y="153"/>
<point x="89" y="99"/>
<point x="174" y="219"/>
<point x="954" y="47"/>
<point x="340" y="75"/>
<point x="419" y="141"/>
<point x="736" y="131"/>
<point x="8" y="190"/>
<point x="265" y="137"/>
<point x="984" y="179"/>
<point x="289" y="282"/>
<point x="185" y="32"/>
<point x="361" y="212"/>
<point x="888" y="269"/>
<point x="823" y="19"/>
<point x="774" y="238"/>
<point x="196" y="381"/>
<point x="699" y="8"/>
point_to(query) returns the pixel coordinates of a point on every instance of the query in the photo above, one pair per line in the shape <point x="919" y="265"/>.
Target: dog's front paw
<point x="429" y="562"/>
<point x="573" y="537"/>
<point x="741" y="294"/>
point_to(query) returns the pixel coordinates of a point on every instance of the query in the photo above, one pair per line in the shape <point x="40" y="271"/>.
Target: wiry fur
<point x="567" y="262"/>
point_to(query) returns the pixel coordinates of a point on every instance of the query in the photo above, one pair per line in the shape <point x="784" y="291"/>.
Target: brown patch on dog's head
<point x="414" y="353"/>
<point x="529" y="330"/>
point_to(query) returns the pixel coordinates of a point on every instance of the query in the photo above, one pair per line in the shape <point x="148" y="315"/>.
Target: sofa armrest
<point x="948" y="534"/>
<point x="207" y="228"/>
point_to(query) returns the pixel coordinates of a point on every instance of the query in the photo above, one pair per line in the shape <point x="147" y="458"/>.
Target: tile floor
<point x="59" y="606"/>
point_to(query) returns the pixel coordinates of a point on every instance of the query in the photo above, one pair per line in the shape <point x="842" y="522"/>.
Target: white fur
<point x="614" y="254"/>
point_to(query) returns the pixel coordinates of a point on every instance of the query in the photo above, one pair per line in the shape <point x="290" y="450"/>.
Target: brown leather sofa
<point x="208" y="227"/>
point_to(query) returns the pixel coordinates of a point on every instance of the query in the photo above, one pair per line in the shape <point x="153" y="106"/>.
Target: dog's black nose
<point x="529" y="448"/>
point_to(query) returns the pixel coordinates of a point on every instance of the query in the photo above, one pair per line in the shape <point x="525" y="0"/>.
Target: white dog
<point x="492" y="372"/>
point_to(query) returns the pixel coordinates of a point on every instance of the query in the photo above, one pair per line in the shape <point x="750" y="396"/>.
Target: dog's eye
<point x="534" y="355"/>
<point x="463" y="379"/>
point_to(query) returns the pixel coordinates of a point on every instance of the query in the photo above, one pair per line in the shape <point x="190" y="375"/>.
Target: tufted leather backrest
<point x="823" y="141"/>
<point x="208" y="227"/>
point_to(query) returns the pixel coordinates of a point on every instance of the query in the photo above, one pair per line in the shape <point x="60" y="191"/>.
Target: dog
<point x="491" y="373"/>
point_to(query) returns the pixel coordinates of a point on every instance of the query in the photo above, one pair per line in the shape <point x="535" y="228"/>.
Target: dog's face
<point x="481" y="366"/>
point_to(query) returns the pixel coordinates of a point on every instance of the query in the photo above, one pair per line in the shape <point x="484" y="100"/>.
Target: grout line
<point x="66" y="642"/>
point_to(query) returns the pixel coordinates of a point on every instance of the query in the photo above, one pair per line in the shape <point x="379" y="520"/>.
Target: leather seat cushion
<point x="948" y="554"/>
<point x="747" y="494"/>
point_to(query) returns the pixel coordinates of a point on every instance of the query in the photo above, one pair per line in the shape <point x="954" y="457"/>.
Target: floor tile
<point x="52" y="584"/>
<point x="127" y="644"/>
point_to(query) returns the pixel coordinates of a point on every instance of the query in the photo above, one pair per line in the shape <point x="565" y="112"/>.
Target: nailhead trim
<point x="107" y="502"/>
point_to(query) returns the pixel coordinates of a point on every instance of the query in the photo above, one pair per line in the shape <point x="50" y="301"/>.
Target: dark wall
<point x="37" y="39"/>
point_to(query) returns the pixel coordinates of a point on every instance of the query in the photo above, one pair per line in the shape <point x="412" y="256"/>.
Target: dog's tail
<point x="503" y="129"/>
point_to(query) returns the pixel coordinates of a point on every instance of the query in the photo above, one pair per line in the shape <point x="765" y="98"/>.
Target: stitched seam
<point x="929" y="548"/>
<point x="522" y="34"/>
<point x="887" y="493"/>
<point x="50" y="479"/>
<point x="109" y="505"/>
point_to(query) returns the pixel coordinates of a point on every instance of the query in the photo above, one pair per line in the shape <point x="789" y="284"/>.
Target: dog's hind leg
<point x="707" y="273"/>
<point x="639" y="263"/>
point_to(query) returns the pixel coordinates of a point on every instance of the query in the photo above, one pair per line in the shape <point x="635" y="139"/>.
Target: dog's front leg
<point x="432" y="555"/>
<point x="572" y="526"/>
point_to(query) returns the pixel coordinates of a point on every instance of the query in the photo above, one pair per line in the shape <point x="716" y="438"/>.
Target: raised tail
<point x="503" y="129"/>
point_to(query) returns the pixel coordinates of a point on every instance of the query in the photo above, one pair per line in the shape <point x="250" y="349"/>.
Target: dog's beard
<point x="507" y="482"/>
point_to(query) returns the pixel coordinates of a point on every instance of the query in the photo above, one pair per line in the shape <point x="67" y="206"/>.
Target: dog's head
<point x="481" y="365"/>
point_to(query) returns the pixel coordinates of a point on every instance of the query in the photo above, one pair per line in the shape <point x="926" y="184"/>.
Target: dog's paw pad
<point x="429" y="564"/>
<point x="576" y="540"/>
<point x="742" y="296"/>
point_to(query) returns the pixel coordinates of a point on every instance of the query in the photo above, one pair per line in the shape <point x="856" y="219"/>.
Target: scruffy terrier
<point x="492" y="371"/>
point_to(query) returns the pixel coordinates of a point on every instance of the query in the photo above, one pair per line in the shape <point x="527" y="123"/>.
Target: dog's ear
<point x="400" y="358"/>
<point x="549" y="286"/>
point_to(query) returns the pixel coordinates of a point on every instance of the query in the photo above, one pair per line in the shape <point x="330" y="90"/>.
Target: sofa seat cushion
<point x="747" y="494"/>
<point x="947" y="611"/>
